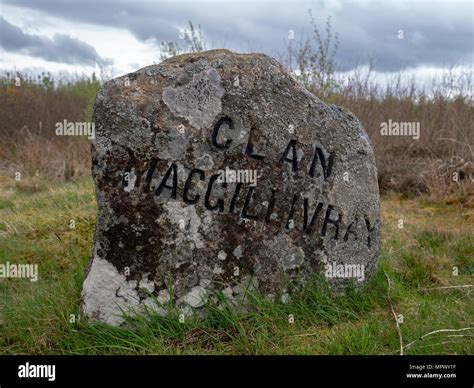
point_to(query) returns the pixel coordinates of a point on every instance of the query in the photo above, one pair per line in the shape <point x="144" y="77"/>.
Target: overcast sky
<point x="75" y="36"/>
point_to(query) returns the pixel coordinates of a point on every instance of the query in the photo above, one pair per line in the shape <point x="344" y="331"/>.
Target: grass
<point x="41" y="317"/>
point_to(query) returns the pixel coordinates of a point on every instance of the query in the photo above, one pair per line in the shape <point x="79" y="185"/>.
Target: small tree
<point x="313" y="59"/>
<point x="193" y="43"/>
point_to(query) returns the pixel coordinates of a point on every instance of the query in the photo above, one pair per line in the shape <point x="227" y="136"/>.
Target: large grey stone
<point x="168" y="221"/>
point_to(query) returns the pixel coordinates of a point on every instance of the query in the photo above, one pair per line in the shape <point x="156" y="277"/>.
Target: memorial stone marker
<point x="217" y="171"/>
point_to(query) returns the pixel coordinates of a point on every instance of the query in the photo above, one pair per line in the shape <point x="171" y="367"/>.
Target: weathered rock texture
<point x="167" y="220"/>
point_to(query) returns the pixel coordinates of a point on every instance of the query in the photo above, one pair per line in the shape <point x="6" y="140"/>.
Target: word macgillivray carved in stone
<point x="166" y="220"/>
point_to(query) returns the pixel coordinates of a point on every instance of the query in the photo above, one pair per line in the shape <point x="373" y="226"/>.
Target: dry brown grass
<point x="29" y="144"/>
<point x="425" y="166"/>
<point x="428" y="165"/>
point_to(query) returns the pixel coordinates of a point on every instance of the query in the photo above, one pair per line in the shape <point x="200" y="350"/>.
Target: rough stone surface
<point x="167" y="220"/>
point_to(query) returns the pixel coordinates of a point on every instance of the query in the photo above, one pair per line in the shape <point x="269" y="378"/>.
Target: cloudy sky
<point x="123" y="36"/>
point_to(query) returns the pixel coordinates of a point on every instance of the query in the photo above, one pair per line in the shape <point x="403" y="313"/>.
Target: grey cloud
<point x="436" y="34"/>
<point x="61" y="48"/>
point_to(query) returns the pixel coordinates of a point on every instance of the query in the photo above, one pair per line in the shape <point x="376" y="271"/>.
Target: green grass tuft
<point x="42" y="317"/>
